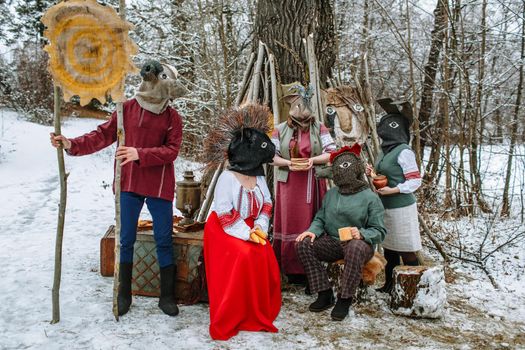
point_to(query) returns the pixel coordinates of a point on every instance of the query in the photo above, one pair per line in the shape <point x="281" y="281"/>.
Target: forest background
<point x="460" y="64"/>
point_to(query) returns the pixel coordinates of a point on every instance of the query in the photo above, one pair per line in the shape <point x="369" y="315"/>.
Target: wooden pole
<point x="245" y="78"/>
<point x="205" y="208"/>
<point x="314" y="76"/>
<point x="257" y="73"/>
<point x="121" y="136"/>
<point x="275" y="97"/>
<point x="61" y="212"/>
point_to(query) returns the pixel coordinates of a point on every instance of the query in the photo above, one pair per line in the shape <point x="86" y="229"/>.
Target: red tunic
<point x="296" y="203"/>
<point x="157" y="138"/>
<point x="244" y="286"/>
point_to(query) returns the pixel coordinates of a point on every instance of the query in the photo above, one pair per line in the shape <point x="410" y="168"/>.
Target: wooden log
<point x="256" y="79"/>
<point x="419" y="291"/>
<point x="121" y="137"/>
<point x="314" y="76"/>
<point x="245" y="80"/>
<point x="205" y="207"/>
<point x="371" y="112"/>
<point x="275" y="97"/>
<point x="266" y="83"/>
<point x="120" y="142"/>
<point x="61" y="213"/>
<point x="365" y="93"/>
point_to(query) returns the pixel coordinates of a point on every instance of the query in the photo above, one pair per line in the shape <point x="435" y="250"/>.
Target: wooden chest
<point x="187" y="246"/>
<point x="107" y="252"/>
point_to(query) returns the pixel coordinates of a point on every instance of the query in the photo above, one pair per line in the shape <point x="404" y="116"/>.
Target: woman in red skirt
<point x="241" y="269"/>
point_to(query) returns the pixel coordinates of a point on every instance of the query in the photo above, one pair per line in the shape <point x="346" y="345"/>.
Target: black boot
<point x="325" y="300"/>
<point x="307" y="290"/>
<point x="393" y="259"/>
<point x="341" y="308"/>
<point x="124" y="292"/>
<point x="167" y="290"/>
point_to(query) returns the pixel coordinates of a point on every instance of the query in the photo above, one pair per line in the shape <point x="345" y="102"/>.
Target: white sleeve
<point x="265" y="214"/>
<point x="230" y="219"/>
<point x="327" y="141"/>
<point x="407" y="161"/>
<point x="276" y="141"/>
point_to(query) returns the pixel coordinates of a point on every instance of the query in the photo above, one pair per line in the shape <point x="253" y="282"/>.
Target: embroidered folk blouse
<point x="233" y="203"/>
<point x="407" y="161"/>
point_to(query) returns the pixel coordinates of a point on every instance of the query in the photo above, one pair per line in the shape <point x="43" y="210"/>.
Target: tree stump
<point x="419" y="291"/>
<point x="335" y="271"/>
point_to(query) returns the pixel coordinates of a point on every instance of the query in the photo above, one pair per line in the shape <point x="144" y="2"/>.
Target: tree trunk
<point x="446" y="124"/>
<point x="282" y="24"/>
<point x="505" y="208"/>
<point x="475" y="136"/>
<point x="425" y="108"/>
<point x="415" y="126"/>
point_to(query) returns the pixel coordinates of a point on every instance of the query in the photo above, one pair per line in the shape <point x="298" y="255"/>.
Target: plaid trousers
<point x="356" y="254"/>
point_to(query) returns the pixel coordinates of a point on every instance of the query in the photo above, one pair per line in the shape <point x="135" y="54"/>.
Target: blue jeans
<point x="162" y="214"/>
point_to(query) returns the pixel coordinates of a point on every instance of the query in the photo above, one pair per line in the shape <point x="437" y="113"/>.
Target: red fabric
<point x="412" y="175"/>
<point x="230" y="218"/>
<point x="157" y="138"/>
<point x="244" y="286"/>
<point x="267" y="209"/>
<point x="355" y="149"/>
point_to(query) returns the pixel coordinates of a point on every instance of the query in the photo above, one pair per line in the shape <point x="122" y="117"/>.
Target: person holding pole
<point x="153" y="139"/>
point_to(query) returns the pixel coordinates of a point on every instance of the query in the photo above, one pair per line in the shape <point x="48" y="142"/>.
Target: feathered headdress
<point x="232" y="120"/>
<point x="355" y="149"/>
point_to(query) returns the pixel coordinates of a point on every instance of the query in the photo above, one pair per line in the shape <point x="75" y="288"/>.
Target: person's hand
<point x="355" y="233"/>
<point x="305" y="234"/>
<point x="60" y="140"/>
<point x="127" y="154"/>
<point x="385" y="191"/>
<point x="308" y="167"/>
<point x="255" y="228"/>
<point x="310" y="164"/>
<point x="369" y="169"/>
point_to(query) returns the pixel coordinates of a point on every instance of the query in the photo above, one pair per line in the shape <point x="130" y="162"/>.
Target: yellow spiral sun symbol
<point x="89" y="50"/>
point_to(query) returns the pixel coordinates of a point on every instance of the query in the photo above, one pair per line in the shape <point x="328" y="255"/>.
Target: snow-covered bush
<point x="28" y="87"/>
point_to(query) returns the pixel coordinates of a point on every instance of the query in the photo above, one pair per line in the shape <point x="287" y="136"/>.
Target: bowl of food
<point x="379" y="181"/>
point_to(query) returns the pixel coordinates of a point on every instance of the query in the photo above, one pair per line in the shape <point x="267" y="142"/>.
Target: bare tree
<point x="505" y="208"/>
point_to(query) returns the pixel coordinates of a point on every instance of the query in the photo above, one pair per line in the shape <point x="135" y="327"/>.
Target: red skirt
<point x="244" y="285"/>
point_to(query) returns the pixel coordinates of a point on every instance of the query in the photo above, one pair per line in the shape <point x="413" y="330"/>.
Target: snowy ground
<point x="477" y="315"/>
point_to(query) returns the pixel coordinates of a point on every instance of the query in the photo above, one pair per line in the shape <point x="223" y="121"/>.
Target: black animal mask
<point x="249" y="149"/>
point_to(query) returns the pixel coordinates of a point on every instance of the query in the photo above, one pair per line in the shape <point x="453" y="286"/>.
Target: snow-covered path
<point x="477" y="316"/>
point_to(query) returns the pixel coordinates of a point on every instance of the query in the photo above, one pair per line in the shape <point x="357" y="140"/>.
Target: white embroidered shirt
<point x="233" y="203"/>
